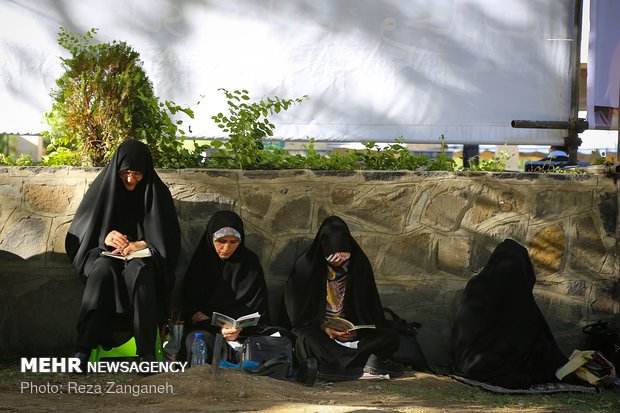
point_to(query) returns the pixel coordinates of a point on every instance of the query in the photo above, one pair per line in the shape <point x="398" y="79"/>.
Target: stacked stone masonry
<point x="426" y="234"/>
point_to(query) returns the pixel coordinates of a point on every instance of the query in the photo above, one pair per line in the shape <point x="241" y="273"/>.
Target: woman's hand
<point x="133" y="247"/>
<point x="340" y="335"/>
<point x="231" y="334"/>
<point x="199" y="316"/>
<point x="116" y="240"/>
<point x="338" y="258"/>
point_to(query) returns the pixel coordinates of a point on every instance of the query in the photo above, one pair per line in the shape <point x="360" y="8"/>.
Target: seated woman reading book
<point x="224" y="276"/>
<point x="126" y="209"/>
<point x="334" y="278"/>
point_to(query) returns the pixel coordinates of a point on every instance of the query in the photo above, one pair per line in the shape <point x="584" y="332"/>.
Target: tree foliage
<point x="103" y="98"/>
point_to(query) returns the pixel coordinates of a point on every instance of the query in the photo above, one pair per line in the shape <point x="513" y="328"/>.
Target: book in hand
<point x="344" y="325"/>
<point x="222" y="320"/>
<point x="136" y="254"/>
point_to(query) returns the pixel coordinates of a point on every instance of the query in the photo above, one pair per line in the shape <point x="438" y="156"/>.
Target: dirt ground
<point x="199" y="390"/>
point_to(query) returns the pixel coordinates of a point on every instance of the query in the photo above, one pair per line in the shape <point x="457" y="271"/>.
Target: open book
<point x="222" y="320"/>
<point x="342" y="324"/>
<point x="137" y="254"/>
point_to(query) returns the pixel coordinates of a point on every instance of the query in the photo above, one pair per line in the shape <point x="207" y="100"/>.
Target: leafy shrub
<point x="103" y="98"/>
<point x="496" y="164"/>
<point x="442" y="162"/>
<point x="22" y="160"/>
<point x="395" y="156"/>
<point x="247" y="125"/>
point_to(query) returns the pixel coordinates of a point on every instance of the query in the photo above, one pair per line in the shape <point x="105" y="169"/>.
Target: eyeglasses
<point x="134" y="174"/>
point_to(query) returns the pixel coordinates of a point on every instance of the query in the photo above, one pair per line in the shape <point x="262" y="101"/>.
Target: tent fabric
<point x="373" y="70"/>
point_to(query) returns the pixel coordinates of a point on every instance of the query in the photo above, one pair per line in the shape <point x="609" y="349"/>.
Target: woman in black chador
<point x="223" y="276"/>
<point x="126" y="209"/>
<point x="333" y="277"/>
<point x="499" y="335"/>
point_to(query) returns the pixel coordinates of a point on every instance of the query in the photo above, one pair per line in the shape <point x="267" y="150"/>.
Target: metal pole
<point x="616" y="290"/>
<point x="579" y="125"/>
<point x="572" y="140"/>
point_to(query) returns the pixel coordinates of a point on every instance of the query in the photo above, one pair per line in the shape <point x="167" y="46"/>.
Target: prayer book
<point x="342" y="324"/>
<point x="137" y="254"/>
<point x="222" y="320"/>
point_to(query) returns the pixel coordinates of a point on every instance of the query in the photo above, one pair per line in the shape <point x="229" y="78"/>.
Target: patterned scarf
<point x="336" y="288"/>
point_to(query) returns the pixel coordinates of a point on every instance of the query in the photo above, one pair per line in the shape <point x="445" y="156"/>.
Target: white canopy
<point x="373" y="69"/>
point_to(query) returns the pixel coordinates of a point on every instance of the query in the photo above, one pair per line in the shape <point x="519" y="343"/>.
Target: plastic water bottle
<point x="199" y="350"/>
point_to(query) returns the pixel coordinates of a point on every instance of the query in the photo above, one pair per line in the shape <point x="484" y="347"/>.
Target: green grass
<point x="454" y="393"/>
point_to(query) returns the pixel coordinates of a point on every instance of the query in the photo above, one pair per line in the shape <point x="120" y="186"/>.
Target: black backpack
<point x="604" y="338"/>
<point x="409" y="353"/>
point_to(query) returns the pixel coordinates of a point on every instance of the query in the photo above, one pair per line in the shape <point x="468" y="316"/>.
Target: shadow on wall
<point x="434" y="306"/>
<point x="277" y="256"/>
<point x="41" y="295"/>
<point x="39" y="306"/>
<point x="429" y="296"/>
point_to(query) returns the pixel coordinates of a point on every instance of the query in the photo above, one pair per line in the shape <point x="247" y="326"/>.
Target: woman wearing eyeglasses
<point x="126" y="209"/>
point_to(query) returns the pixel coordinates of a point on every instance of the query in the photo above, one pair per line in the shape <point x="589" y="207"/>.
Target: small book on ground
<point x="222" y="320"/>
<point x="342" y="324"/>
<point x="137" y="254"/>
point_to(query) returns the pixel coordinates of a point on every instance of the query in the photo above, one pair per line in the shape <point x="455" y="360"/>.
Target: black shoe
<point x="309" y="372"/>
<point x="375" y="365"/>
<point x="147" y="357"/>
<point x="333" y="372"/>
<point x="144" y="365"/>
<point x="83" y="357"/>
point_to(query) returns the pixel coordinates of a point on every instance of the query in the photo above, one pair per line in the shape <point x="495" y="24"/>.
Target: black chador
<point x="313" y="293"/>
<point x="124" y="298"/>
<point x="500" y="335"/>
<point x="234" y="286"/>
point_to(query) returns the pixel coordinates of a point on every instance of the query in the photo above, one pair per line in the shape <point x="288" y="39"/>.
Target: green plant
<point x="5" y="143"/>
<point x="601" y="159"/>
<point x="8" y="152"/>
<point x="335" y="161"/>
<point x="279" y="158"/>
<point x="442" y="161"/>
<point x="164" y="136"/>
<point x="395" y="156"/>
<point x="22" y="160"/>
<point x="103" y="98"/>
<point x="566" y="170"/>
<point x="495" y="164"/>
<point x="247" y="125"/>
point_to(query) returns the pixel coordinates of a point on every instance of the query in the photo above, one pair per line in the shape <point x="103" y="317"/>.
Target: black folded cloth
<point x="336" y="372"/>
<point x="375" y="365"/>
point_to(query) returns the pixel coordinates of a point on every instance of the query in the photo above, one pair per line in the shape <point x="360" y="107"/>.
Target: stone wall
<point x="425" y="233"/>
